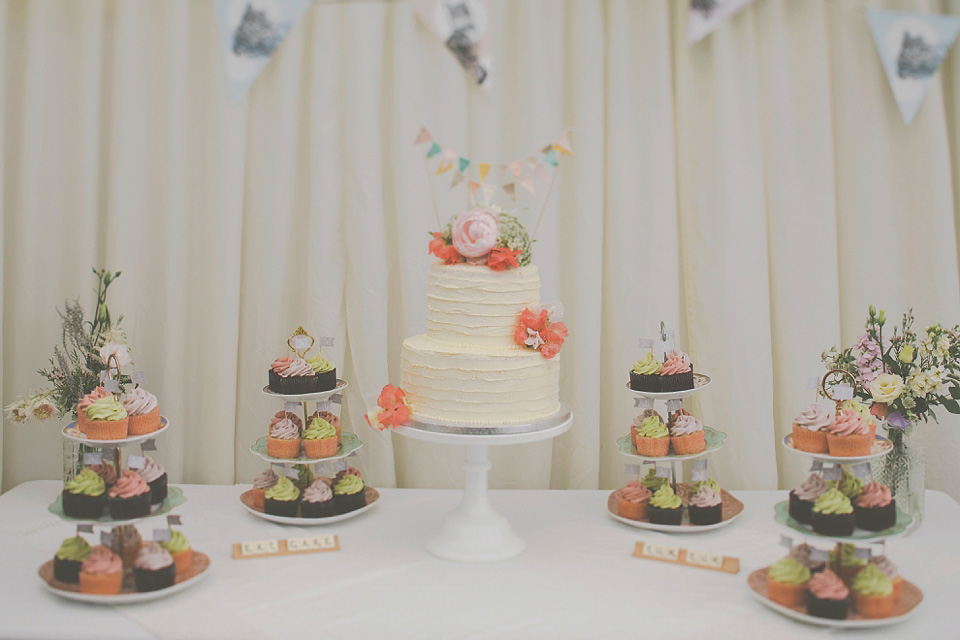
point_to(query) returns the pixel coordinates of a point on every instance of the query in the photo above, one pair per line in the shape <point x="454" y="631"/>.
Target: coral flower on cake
<point x="535" y="331"/>
<point x="442" y="250"/>
<point x="392" y="410"/>
<point x="502" y="258"/>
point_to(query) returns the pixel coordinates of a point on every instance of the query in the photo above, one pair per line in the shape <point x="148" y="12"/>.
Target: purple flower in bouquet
<point x="895" y="420"/>
<point x="868" y="363"/>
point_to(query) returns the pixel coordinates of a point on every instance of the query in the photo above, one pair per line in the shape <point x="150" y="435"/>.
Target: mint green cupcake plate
<point x="349" y="442"/>
<point x="862" y="535"/>
<point x="175" y="498"/>
<point x="713" y="438"/>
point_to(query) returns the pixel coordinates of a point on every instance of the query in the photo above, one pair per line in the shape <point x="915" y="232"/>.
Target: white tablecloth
<point x="576" y="579"/>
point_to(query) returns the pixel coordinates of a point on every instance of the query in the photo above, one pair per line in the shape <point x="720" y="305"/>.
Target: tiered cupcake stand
<point x="113" y="449"/>
<point x="731" y="507"/>
<point x="911" y="595"/>
<point x="349" y="443"/>
<point x="474" y="532"/>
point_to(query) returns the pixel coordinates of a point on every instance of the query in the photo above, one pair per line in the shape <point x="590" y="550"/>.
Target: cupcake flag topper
<point x="138" y="377"/>
<point x="832" y="473"/>
<point x="148" y="445"/>
<point x="786" y="541"/>
<point x="290" y="472"/>
<point x="631" y="469"/>
<point x="642" y="403"/>
<point x="840" y="392"/>
<point x="173" y="519"/>
<point x="862" y="553"/>
<point x="106" y="538"/>
<point x="91" y="458"/>
<point x="817" y="465"/>
<point x="663" y="471"/>
<point x="699" y="470"/>
<point x="161" y="535"/>
<point x="819" y="555"/>
<point x="300" y="342"/>
<point x="84" y="528"/>
<point x="862" y="470"/>
<point x="136" y="462"/>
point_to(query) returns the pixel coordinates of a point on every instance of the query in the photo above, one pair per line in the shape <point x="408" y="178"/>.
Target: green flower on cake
<point x="514" y="236"/>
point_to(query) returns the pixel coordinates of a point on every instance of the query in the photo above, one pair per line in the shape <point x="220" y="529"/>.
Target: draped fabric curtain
<point x="756" y="191"/>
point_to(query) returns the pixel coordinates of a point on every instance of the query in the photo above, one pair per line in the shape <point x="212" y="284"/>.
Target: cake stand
<point x="474" y="532"/>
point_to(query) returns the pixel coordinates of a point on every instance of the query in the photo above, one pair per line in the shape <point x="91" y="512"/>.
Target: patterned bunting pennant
<point x="434" y="150"/>
<point x="562" y="144"/>
<point x="501" y="172"/>
<point x="464" y="163"/>
<point x="443" y="168"/>
<point x="510" y="189"/>
<point x="706" y="15"/>
<point x="457" y="179"/>
<point x="482" y="170"/>
<point x="488" y="191"/>
<point x="423" y="136"/>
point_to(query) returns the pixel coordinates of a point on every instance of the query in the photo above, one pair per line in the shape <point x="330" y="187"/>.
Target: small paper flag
<point x="540" y="171"/>
<point x="148" y="445"/>
<point x="527" y="184"/>
<point x="516" y="167"/>
<point x="699" y="476"/>
<point x="449" y="156"/>
<point x="483" y="169"/>
<point x="464" y="163"/>
<point x="434" y="150"/>
<point x="501" y="171"/>
<point x="488" y="191"/>
<point x="786" y="541"/>
<point x="510" y="190"/>
<point x="173" y="519"/>
<point x="444" y="167"/>
<point x="457" y="179"/>
<point x="138" y="377"/>
<point x="550" y="158"/>
<point x="546" y="149"/>
<point x="84" y="528"/>
<point x="473" y="185"/>
<point x="423" y="136"/>
<point x="562" y="144"/>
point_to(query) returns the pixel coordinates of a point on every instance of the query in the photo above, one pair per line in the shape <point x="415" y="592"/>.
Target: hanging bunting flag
<point x="464" y="163"/>
<point x="483" y="169"/>
<point x="540" y="171"/>
<point x="423" y="136"/>
<point x="460" y="25"/>
<point x="488" y="191"/>
<point x="705" y="16"/>
<point x="562" y="144"/>
<point x="443" y="168"/>
<point x="449" y="157"/>
<point x="546" y="149"/>
<point x="457" y="179"/>
<point x="527" y="183"/>
<point x="912" y="47"/>
<point x="510" y="190"/>
<point x="434" y="150"/>
<point x="250" y="31"/>
<point x="501" y="172"/>
<point x="549" y="157"/>
<point x="473" y="185"/>
<point x="516" y="167"/>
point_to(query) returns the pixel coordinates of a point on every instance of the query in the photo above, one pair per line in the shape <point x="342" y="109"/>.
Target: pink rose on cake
<point x="475" y="233"/>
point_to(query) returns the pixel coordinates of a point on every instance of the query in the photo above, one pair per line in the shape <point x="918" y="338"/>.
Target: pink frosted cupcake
<point x="687" y="436"/>
<point x="632" y="501"/>
<point x="82" y="421"/>
<point x="143" y="411"/>
<point x="848" y="435"/>
<point x="810" y="429"/>
<point x="676" y="374"/>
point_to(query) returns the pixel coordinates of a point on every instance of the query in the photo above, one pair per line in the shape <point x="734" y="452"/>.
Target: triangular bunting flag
<point x="562" y="144"/>
<point x="546" y="148"/>
<point x="423" y="136"/>
<point x="483" y="169"/>
<point x="473" y="185"/>
<point x="488" y="191"/>
<point x="250" y="31"/>
<point x="550" y="157"/>
<point x="516" y="167"/>
<point x="449" y="157"/>
<point x="705" y="16"/>
<point x="444" y="167"/>
<point x="464" y="163"/>
<point x="434" y="150"/>
<point x="457" y="179"/>
<point x="502" y="170"/>
<point x="540" y="171"/>
<point x="912" y="47"/>
<point x="527" y="184"/>
<point x="510" y="190"/>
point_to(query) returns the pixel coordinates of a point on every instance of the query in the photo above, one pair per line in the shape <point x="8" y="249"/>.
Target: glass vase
<point x="902" y="470"/>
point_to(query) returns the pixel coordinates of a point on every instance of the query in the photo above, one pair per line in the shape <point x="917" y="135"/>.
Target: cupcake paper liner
<point x="873" y="606"/>
<point x="655" y="447"/>
<point x="322" y="448"/>
<point x="849" y="446"/>
<point x="108" y="429"/>
<point x="144" y="424"/>
<point x="689" y="443"/>
<point x="705" y="515"/>
<point x="789" y="595"/>
<point x="645" y="382"/>
<point x="824" y="608"/>
<point x="277" y="448"/>
<point x="78" y="505"/>
<point x="632" y="510"/>
<point x="287" y="508"/>
<point x="664" y="516"/>
<point x="293" y="385"/>
<point x="107" y="584"/>
<point x="833" y="524"/>
<point x="66" y="570"/>
<point x="182" y="560"/>
<point x="132" y="507"/>
<point x="317" y="509"/>
<point x="158" y="489"/>
<point x="154" y="580"/>
<point x="876" y="518"/>
<point x="348" y="503"/>
<point x="800" y="510"/>
<point x="809" y="441"/>
<point x="677" y="382"/>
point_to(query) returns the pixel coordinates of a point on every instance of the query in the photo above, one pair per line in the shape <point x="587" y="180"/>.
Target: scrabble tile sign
<point x="288" y="547"/>
<point x="688" y="557"/>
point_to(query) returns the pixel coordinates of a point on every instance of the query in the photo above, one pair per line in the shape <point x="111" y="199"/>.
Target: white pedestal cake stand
<point x="474" y="532"/>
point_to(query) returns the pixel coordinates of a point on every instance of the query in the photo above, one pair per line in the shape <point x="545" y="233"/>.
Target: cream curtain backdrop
<point x="757" y="191"/>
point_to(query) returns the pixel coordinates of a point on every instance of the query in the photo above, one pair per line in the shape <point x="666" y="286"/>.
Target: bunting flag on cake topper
<point x="250" y="32"/>
<point x="423" y="136"/>
<point x="705" y="16"/>
<point x="457" y="179"/>
<point x="483" y="169"/>
<point x="510" y="190"/>
<point x="912" y="47"/>
<point x="460" y="25"/>
<point x="488" y="191"/>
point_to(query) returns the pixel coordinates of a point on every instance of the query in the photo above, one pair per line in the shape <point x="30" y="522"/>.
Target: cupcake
<point x="84" y="496"/>
<point x="106" y="472"/>
<point x="294" y="418"/>
<point x="320" y="439"/>
<point x="653" y="438"/>
<point x="68" y="558"/>
<point x="872" y="593"/>
<point x="86" y="401"/>
<point x="283" y="440"/>
<point x="348" y="493"/>
<point x="787" y="582"/>
<point x="304" y="476"/>
<point x="645" y="375"/>
<point x="864" y="412"/>
<point x="653" y="482"/>
<point x="632" y="501"/>
<point x="709" y="482"/>
<point x="833" y="514"/>
<point x="106" y="419"/>
<point x="330" y="417"/>
<point x="130" y="497"/>
<point x="809" y="429"/>
<point x="848" y="435"/>
<point x="638" y="422"/>
<point x="143" y="410"/>
<point x="676" y="374"/>
<point x="675" y="415"/>
<point x="665" y="506"/>
<point x="282" y="498"/>
<point x="261" y="483"/>
<point x="325" y="371"/>
<point x="179" y="548"/>
<point x="317" y="500"/>
<point x="802" y="554"/>
<point x="846" y="565"/>
<point x="101" y="572"/>
<point x="125" y="541"/>
<point x="349" y="471"/>
<point x="292" y="376"/>
<point x="154" y="568"/>
<point x="686" y="436"/>
<point x="156" y="477"/>
<point x="827" y="596"/>
<point x="875" y="509"/>
<point x="849" y="485"/>
<point x="803" y="497"/>
<point x="705" y="507"/>
<point x="890" y="570"/>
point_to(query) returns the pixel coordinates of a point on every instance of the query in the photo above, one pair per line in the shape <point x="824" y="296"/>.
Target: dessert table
<point x="576" y="579"/>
